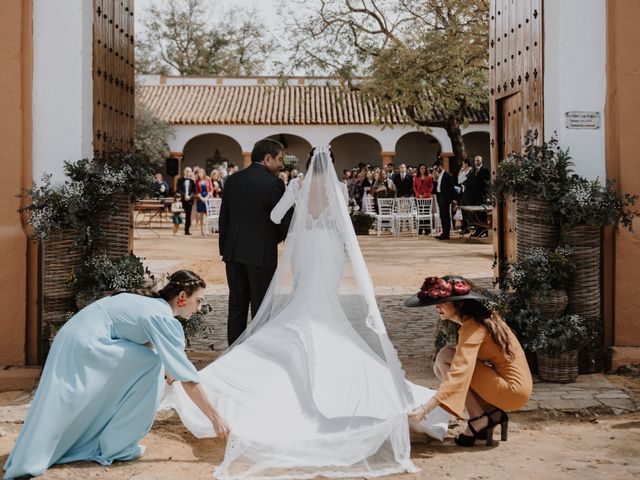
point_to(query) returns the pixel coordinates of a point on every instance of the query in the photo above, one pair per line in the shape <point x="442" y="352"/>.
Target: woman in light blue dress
<point x="104" y="377"/>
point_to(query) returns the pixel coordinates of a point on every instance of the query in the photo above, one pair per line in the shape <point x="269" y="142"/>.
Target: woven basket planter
<point x="60" y="258"/>
<point x="584" y="292"/>
<point x="552" y="304"/>
<point x="115" y="228"/>
<point x="535" y="226"/>
<point x="558" y="368"/>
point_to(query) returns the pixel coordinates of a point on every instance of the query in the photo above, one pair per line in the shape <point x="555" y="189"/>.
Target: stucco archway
<point x="417" y="147"/>
<point x="210" y="148"/>
<point x="350" y="149"/>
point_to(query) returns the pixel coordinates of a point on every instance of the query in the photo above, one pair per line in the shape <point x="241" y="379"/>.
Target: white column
<point x="62" y="84"/>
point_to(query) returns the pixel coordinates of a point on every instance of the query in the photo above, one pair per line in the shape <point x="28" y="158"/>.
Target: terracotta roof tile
<point x="265" y="105"/>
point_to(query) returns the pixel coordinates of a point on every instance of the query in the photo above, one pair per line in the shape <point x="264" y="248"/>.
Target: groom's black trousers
<point x="247" y="285"/>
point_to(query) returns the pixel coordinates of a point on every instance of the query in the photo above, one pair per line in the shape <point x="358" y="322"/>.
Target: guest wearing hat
<point x="486" y="373"/>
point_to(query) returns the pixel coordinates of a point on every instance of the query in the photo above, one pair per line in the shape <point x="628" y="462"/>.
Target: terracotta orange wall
<point x="15" y="132"/>
<point x="622" y="305"/>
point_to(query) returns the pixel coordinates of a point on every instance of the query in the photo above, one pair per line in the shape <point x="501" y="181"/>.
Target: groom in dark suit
<point x="248" y="238"/>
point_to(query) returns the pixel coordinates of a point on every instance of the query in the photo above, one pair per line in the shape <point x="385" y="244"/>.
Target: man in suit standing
<point x="248" y="238"/>
<point x="187" y="188"/>
<point x="403" y="182"/>
<point x="445" y="194"/>
<point x="477" y="183"/>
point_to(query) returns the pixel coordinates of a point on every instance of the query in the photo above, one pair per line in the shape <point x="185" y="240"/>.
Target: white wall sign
<point x="580" y="120"/>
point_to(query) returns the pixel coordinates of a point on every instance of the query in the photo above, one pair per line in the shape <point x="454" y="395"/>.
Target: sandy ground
<point x="542" y="444"/>
<point x="392" y="262"/>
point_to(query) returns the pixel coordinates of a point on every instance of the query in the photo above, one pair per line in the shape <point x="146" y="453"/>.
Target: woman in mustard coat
<point x="486" y="373"/>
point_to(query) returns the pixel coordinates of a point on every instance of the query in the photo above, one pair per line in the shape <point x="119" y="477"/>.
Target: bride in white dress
<point x="314" y="386"/>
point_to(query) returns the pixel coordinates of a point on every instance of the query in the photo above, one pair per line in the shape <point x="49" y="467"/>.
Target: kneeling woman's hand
<point x="199" y="397"/>
<point x="418" y="414"/>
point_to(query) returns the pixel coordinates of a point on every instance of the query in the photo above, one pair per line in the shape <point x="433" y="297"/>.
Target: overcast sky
<point x="268" y="9"/>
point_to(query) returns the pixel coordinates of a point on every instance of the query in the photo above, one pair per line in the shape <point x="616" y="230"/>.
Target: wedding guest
<point x="160" y="186"/>
<point x="383" y="188"/>
<point x="284" y="177"/>
<point x="422" y="182"/>
<point x="187" y="188"/>
<point x="444" y="196"/>
<point x="403" y="182"/>
<point x="390" y="168"/>
<point x="103" y="379"/>
<point x="346" y="176"/>
<point x="463" y="193"/>
<point x="216" y="183"/>
<point x="294" y="173"/>
<point x="357" y="190"/>
<point x="176" y="211"/>
<point x="462" y="175"/>
<point x="367" y="185"/>
<point x="478" y="183"/>
<point x="204" y="191"/>
<point x="486" y="373"/>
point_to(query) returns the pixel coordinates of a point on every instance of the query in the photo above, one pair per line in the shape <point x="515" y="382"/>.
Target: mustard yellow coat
<point x="479" y="364"/>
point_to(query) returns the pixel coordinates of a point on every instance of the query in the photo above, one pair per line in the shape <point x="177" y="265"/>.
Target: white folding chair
<point x="403" y="214"/>
<point x="424" y="214"/>
<point x="368" y="206"/>
<point x="211" y="220"/>
<point x="384" y="217"/>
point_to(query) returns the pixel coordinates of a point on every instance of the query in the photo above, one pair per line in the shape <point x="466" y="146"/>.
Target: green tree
<point x="151" y="136"/>
<point x="427" y="57"/>
<point x="183" y="36"/>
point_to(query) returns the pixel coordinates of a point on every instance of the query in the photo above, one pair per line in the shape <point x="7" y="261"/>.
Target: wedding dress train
<point x="314" y="386"/>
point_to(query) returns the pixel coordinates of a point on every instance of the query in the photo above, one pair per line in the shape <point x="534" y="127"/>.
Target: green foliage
<point x="539" y="270"/>
<point x="151" y="137"/>
<point x="553" y="335"/>
<point x="184" y="36"/>
<point x="360" y="220"/>
<point x="193" y="324"/>
<point x="101" y="273"/>
<point x="541" y="171"/>
<point x="592" y="203"/>
<point x="87" y="194"/>
<point x="417" y="57"/>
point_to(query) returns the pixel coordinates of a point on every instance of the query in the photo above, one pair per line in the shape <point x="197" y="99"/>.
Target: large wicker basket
<point x="552" y="304"/>
<point x="535" y="226"/>
<point x="558" y="368"/>
<point x="584" y="292"/>
<point x="60" y="258"/>
<point x="115" y="228"/>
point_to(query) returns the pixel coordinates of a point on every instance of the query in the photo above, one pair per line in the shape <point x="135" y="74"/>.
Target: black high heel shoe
<point x="485" y="433"/>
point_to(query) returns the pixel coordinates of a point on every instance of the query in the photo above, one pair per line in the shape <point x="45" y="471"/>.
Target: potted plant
<point x="590" y="203"/>
<point x="586" y="207"/>
<point x="556" y="343"/>
<point x="540" y="278"/>
<point x="537" y="177"/>
<point x="101" y="273"/>
<point x="361" y="221"/>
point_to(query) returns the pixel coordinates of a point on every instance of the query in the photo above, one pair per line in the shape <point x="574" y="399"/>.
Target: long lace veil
<point x="313" y="386"/>
<point x="310" y="272"/>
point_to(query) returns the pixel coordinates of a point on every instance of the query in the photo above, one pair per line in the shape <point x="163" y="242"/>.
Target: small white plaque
<point x="582" y="120"/>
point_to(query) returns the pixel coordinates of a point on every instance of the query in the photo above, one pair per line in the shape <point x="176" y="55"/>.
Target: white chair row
<point x="413" y="214"/>
<point x="212" y="218"/>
